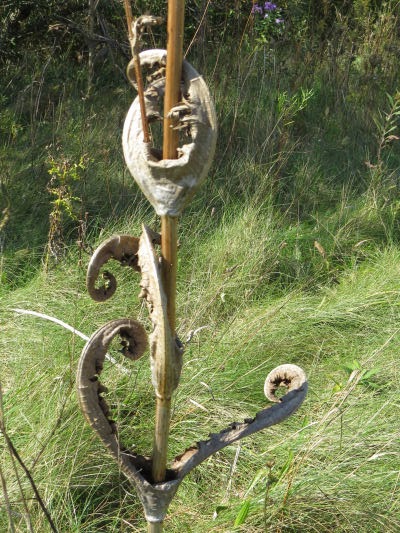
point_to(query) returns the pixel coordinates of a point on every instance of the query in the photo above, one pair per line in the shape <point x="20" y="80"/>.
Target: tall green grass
<point x="333" y="464"/>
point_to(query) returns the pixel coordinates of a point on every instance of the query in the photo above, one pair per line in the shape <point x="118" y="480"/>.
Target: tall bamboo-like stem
<point x="169" y="225"/>
<point x="176" y="9"/>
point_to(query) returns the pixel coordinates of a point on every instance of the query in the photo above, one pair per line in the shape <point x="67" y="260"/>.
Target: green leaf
<point x="337" y="388"/>
<point x="242" y="514"/>
<point x="287" y="465"/>
<point x="369" y="373"/>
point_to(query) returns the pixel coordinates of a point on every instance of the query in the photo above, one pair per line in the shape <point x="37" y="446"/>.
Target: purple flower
<point x="256" y="9"/>
<point x="269" y="6"/>
<point x="279" y="21"/>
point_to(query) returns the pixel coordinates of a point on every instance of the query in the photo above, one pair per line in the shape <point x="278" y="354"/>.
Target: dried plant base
<point x="169" y="184"/>
<point x="156" y="497"/>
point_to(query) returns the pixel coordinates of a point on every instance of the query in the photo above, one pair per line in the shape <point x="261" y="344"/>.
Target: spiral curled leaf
<point x="291" y="377"/>
<point x="296" y="382"/>
<point x="137" y="468"/>
<point x="122" y="248"/>
<point x="133" y="345"/>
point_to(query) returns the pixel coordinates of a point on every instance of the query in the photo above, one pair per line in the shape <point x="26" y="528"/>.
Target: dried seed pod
<point x="169" y="184"/>
<point x="122" y="248"/>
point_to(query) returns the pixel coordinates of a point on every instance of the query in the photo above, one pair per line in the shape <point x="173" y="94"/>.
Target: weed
<point x="63" y="174"/>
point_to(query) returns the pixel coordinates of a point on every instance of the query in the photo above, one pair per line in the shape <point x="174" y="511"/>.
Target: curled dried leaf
<point x="165" y="350"/>
<point x="122" y="248"/>
<point x="293" y="377"/>
<point x="289" y="376"/>
<point x="133" y="345"/>
<point x="169" y="184"/>
<point x="137" y="468"/>
<point x="138" y="27"/>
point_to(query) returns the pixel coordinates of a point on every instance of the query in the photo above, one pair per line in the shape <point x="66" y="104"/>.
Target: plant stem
<point x="91" y="46"/>
<point x="140" y="86"/>
<point x="134" y="42"/>
<point x="169" y="240"/>
<point x="154" y="527"/>
<point x="176" y="11"/>
<point x="169" y="224"/>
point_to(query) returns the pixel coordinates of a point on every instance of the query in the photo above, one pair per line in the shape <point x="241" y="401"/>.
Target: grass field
<point x="332" y="466"/>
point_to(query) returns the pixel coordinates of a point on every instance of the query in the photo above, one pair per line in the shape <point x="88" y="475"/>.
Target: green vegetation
<point x="290" y="253"/>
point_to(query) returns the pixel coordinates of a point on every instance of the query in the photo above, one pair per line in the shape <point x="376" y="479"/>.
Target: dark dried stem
<point x="134" y="35"/>
<point x="15" y="454"/>
<point x="7" y="502"/>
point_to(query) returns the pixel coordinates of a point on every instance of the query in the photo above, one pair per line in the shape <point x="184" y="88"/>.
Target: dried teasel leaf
<point x="133" y="345"/>
<point x="165" y="350"/>
<point x="169" y="184"/>
<point x="155" y="498"/>
<point x="122" y="248"/>
<point x="290" y="376"/>
<point x="296" y="381"/>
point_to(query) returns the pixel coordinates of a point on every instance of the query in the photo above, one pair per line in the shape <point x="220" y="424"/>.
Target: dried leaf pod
<point x="169" y="184"/>
<point x="162" y="343"/>
<point x="122" y="248"/>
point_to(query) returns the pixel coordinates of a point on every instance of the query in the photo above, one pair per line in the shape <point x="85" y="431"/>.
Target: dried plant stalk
<point x="168" y="184"/>
<point x="175" y="30"/>
<point x="135" y="31"/>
